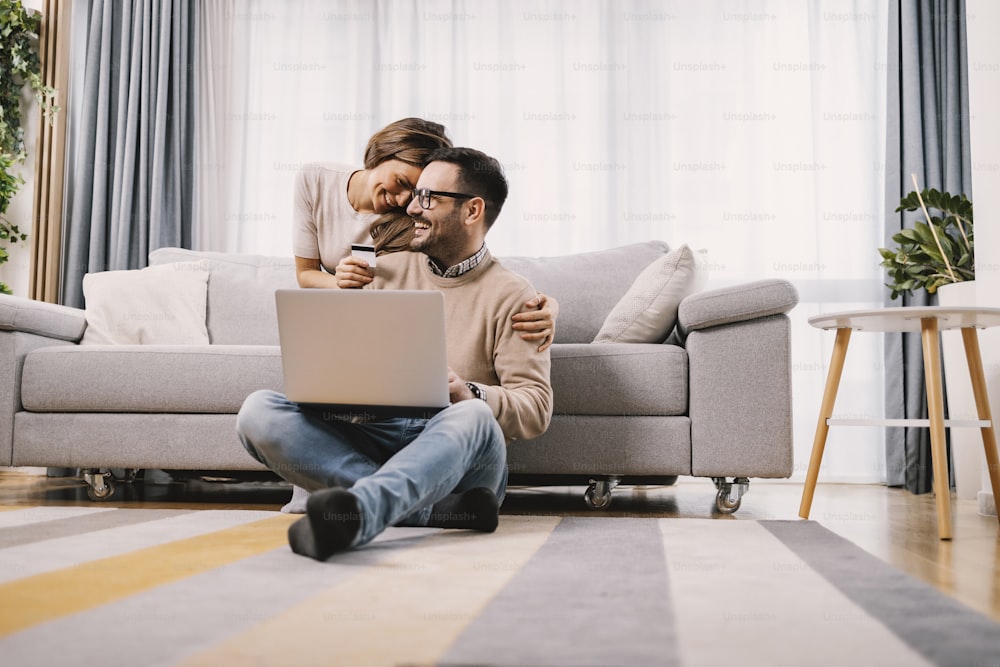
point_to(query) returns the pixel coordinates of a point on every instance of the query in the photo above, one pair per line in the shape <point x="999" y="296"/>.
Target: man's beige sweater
<point x="483" y="347"/>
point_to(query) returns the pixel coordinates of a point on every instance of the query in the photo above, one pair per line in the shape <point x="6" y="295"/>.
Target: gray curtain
<point x="129" y="180"/>
<point x="927" y="134"/>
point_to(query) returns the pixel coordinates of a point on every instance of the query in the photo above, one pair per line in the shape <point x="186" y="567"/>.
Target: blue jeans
<point x="397" y="468"/>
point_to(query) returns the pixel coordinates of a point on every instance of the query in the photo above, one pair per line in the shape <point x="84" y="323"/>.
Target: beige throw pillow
<point x="648" y="311"/>
<point x="158" y="305"/>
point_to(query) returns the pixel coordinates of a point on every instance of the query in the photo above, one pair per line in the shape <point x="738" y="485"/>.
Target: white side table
<point x="929" y="322"/>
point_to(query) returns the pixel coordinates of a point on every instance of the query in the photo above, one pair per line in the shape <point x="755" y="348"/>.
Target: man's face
<point x="439" y="232"/>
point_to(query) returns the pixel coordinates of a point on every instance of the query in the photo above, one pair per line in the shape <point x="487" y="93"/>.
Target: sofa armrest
<point x="737" y="303"/>
<point x="42" y="319"/>
<point x="740" y="398"/>
<point x="26" y="325"/>
<point x="14" y="347"/>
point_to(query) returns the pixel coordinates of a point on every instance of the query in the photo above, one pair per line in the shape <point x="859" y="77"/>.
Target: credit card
<point x="365" y="252"/>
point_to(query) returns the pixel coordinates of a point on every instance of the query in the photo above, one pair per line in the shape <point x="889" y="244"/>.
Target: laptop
<point x="378" y="353"/>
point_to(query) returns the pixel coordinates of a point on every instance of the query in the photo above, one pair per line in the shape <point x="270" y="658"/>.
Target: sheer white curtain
<point x="752" y="130"/>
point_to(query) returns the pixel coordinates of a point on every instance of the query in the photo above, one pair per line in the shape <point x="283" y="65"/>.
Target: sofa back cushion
<point x="586" y="285"/>
<point x="240" y="293"/>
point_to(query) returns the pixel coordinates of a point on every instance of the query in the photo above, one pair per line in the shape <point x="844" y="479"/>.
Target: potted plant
<point x="933" y="253"/>
<point x="19" y="66"/>
<point x="937" y="254"/>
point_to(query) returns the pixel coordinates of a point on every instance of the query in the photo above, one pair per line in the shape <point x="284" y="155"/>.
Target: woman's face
<point x="391" y="185"/>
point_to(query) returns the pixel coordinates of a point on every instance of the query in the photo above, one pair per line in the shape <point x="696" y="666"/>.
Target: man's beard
<point x="431" y="244"/>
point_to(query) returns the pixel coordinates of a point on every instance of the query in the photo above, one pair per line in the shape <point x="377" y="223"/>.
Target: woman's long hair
<point x="410" y="140"/>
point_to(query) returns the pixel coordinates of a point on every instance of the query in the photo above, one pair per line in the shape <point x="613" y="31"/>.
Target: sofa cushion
<point x="648" y="311"/>
<point x="586" y="285"/>
<point x="633" y="379"/>
<point x="619" y="379"/>
<point x="240" y="293"/>
<point x="158" y="305"/>
<point x="147" y="378"/>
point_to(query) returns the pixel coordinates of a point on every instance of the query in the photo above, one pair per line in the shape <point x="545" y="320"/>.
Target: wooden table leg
<point x="825" y="412"/>
<point x="935" y="411"/>
<point x="975" y="359"/>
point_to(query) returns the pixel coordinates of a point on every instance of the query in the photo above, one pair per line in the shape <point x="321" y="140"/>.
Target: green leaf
<point x="923" y="233"/>
<point x="923" y="259"/>
<point x="20" y="67"/>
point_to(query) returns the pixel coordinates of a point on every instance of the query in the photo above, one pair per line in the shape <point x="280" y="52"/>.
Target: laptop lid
<point x="381" y="352"/>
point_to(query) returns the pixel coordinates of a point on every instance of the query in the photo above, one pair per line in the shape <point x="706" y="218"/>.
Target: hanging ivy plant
<point x="19" y="67"/>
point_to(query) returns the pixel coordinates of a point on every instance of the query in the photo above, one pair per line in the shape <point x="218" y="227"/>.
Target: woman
<point x="337" y="205"/>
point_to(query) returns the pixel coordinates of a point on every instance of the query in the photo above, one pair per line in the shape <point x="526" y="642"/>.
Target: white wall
<point x="16" y="272"/>
<point x="983" y="16"/>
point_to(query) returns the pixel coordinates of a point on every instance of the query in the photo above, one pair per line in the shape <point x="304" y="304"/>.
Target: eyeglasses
<point x="423" y="196"/>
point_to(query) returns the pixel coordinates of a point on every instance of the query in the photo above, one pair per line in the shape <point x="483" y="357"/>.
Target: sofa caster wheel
<point x="594" y="501"/>
<point x="724" y="504"/>
<point x="100" y="487"/>
<point x="730" y="494"/>
<point x="103" y="493"/>
<point x="598" y="494"/>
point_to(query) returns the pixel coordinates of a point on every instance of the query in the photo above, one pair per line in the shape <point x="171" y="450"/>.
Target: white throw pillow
<point x="158" y="305"/>
<point x="648" y="311"/>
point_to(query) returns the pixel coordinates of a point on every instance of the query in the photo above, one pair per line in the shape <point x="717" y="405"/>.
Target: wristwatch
<point x="476" y="391"/>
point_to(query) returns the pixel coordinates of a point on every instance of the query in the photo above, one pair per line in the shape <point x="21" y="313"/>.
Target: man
<point x="450" y="470"/>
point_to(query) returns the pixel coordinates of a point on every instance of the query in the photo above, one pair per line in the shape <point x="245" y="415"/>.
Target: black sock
<point x="332" y="521"/>
<point x="476" y="509"/>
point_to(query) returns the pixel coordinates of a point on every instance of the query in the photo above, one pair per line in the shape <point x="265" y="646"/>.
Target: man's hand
<point x="457" y="389"/>
<point x="536" y="321"/>
<point x="353" y="272"/>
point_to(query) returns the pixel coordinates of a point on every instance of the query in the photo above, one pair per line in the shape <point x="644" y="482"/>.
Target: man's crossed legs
<point x="448" y="471"/>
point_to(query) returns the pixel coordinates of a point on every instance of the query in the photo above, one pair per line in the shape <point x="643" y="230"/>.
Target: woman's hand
<point x="538" y="321"/>
<point x="353" y="272"/>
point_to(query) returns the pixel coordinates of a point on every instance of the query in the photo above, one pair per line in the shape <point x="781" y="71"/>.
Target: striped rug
<point x="104" y="586"/>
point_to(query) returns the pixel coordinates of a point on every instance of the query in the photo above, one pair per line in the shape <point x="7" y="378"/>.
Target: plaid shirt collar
<point x="462" y="267"/>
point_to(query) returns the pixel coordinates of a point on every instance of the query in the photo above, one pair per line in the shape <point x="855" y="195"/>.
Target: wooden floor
<point x="892" y="524"/>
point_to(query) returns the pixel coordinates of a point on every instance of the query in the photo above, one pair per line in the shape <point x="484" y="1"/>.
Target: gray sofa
<point x="714" y="401"/>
